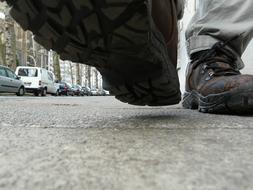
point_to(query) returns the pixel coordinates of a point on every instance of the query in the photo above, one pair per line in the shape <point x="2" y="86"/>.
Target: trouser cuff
<point x="205" y="42"/>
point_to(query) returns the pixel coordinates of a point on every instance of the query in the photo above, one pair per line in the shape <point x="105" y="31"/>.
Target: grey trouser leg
<point x="221" y="20"/>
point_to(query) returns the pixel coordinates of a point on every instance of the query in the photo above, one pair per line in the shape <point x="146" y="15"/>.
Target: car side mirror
<point x="18" y="78"/>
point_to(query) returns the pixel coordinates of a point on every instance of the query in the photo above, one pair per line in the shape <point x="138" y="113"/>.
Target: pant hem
<point x="205" y="42"/>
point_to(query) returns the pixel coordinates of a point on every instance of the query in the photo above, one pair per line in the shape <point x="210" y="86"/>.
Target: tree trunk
<point x="56" y="65"/>
<point x="24" y="48"/>
<point x="2" y="50"/>
<point x="10" y="43"/>
<point x="89" y="76"/>
<point x="78" y="76"/>
<point x="71" y="72"/>
<point x="96" y="78"/>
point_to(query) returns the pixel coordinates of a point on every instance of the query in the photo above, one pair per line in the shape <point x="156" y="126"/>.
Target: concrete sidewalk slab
<point x="100" y="143"/>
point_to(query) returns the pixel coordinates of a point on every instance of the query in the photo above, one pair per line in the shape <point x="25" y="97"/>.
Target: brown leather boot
<point x="214" y="85"/>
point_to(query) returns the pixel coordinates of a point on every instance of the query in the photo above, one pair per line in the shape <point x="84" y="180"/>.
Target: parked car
<point x="65" y="89"/>
<point x="106" y="92"/>
<point x="82" y="93"/>
<point x="75" y="90"/>
<point x="78" y="91"/>
<point x="94" y="92"/>
<point x="103" y="92"/>
<point x="57" y="86"/>
<point x="10" y="82"/>
<point x="38" y="81"/>
<point x="86" y="91"/>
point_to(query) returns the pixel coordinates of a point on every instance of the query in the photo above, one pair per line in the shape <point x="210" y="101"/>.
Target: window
<point x="10" y="74"/>
<point x="50" y="76"/>
<point x="2" y="72"/>
<point x="28" y="72"/>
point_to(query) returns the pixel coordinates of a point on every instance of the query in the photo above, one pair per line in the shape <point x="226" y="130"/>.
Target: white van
<point x="37" y="80"/>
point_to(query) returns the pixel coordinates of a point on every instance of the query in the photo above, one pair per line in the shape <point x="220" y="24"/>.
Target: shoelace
<point x="218" y="53"/>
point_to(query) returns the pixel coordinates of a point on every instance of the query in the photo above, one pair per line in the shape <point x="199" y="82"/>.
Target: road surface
<point x="99" y="143"/>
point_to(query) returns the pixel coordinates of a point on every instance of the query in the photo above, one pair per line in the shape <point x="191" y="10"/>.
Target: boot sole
<point x="238" y="101"/>
<point x="119" y="38"/>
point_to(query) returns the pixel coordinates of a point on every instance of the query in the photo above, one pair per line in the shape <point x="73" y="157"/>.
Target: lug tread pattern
<point x="238" y="102"/>
<point x="89" y="31"/>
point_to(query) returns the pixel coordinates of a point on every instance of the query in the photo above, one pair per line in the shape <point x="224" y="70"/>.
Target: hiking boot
<point x="132" y="43"/>
<point x="214" y="85"/>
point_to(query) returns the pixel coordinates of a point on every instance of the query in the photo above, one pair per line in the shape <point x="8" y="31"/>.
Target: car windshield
<point x="69" y="85"/>
<point x="28" y="72"/>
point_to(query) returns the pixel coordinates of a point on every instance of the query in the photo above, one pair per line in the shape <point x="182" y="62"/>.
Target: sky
<point x="2" y="16"/>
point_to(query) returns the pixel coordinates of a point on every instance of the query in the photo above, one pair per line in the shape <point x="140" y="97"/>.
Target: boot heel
<point x="190" y="100"/>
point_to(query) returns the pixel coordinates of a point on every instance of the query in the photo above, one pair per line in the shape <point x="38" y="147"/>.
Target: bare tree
<point x="2" y="36"/>
<point x="78" y="74"/>
<point x="2" y="48"/>
<point x="96" y="78"/>
<point x="71" y="72"/>
<point x="89" y="76"/>
<point x="24" y="48"/>
<point x="56" y="65"/>
<point x="10" y="43"/>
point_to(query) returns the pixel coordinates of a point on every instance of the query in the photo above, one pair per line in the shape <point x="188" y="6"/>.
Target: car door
<point x="51" y="82"/>
<point x="13" y="82"/>
<point x="3" y="80"/>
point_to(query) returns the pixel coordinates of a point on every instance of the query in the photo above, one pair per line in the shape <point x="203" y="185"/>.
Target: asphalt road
<point x="99" y="143"/>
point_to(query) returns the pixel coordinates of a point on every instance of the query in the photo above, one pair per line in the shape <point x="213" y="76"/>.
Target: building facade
<point x="18" y="47"/>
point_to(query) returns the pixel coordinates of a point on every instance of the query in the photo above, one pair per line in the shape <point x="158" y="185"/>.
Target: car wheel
<point x="21" y="91"/>
<point x="57" y="93"/>
<point x="44" y="92"/>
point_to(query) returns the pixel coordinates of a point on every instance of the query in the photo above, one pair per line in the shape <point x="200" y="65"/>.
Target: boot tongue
<point x="220" y="69"/>
<point x="223" y="63"/>
<point x="218" y="60"/>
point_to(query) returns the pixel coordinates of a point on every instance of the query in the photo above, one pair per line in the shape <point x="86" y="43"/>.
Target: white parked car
<point x="37" y="80"/>
<point x="94" y="92"/>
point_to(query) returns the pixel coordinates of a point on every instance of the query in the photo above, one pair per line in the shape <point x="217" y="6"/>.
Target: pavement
<point x="98" y="143"/>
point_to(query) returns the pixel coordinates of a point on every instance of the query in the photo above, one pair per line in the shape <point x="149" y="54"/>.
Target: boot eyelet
<point x="208" y="78"/>
<point x="211" y="74"/>
<point x="203" y="70"/>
